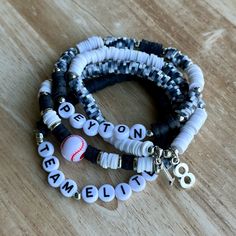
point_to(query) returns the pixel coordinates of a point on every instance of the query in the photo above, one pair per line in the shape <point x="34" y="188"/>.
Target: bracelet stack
<point x="96" y="63"/>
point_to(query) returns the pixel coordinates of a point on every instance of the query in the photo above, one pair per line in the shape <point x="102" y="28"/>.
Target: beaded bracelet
<point x="190" y="128"/>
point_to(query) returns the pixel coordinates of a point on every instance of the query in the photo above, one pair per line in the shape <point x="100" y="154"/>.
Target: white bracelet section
<point x="91" y="43"/>
<point x="98" y="55"/>
<point x="109" y="160"/>
<point x="145" y="164"/>
<point x="130" y="146"/>
<point x="195" y="75"/>
<point x="191" y="128"/>
<point x="45" y="87"/>
<point x="50" y="118"/>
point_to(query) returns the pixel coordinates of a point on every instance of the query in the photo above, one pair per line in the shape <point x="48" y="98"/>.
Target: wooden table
<point x="33" y="34"/>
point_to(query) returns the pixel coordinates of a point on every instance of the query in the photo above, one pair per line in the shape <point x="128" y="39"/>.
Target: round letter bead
<point x="137" y="183"/>
<point x="50" y="163"/>
<point x="66" y="110"/>
<point x="90" y="194"/>
<point x="106" y="130"/>
<point x="178" y="170"/>
<point x="187" y="180"/>
<point x="123" y="191"/>
<point x="121" y="132"/>
<point x="68" y="188"/>
<point x="91" y="127"/>
<point x="55" y="178"/>
<point x="149" y="176"/>
<point x="138" y="132"/>
<point x="45" y="149"/>
<point x="106" y="193"/>
<point x="77" y="121"/>
<point x="73" y="148"/>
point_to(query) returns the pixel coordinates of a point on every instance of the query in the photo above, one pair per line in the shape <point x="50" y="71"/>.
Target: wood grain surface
<point x="32" y="36"/>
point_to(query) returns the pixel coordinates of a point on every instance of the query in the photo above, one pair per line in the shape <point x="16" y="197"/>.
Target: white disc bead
<point x="90" y="194"/>
<point x="65" y="110"/>
<point x="77" y="120"/>
<point x="106" y="129"/>
<point x="123" y="191"/>
<point x="137" y="183"/>
<point x="50" y="163"/>
<point x="55" y="178"/>
<point x="106" y="193"/>
<point x="73" y="148"/>
<point x="149" y="176"/>
<point x="45" y="149"/>
<point x="68" y="188"/>
<point x="90" y="127"/>
<point x="137" y="132"/>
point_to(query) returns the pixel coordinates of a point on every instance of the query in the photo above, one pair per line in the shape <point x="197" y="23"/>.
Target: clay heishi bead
<point x="45" y="149"/>
<point x="106" y="129"/>
<point x="121" y="132"/>
<point x="123" y="191"/>
<point x="91" y="127"/>
<point x="137" y="183"/>
<point x="138" y="132"/>
<point x="68" y="188"/>
<point x="106" y="193"/>
<point x="73" y="148"/>
<point x="77" y="120"/>
<point x="65" y="110"/>
<point x="55" y="178"/>
<point x="149" y="176"/>
<point x="50" y="163"/>
<point x="90" y="194"/>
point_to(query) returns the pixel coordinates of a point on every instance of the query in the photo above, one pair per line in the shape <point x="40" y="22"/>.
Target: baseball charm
<point x="73" y="148"/>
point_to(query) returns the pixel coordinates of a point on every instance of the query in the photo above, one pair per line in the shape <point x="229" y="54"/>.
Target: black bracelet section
<point x="58" y="85"/>
<point x="42" y="128"/>
<point x="45" y="102"/>
<point x="61" y="132"/>
<point x="91" y="154"/>
<point x="151" y="47"/>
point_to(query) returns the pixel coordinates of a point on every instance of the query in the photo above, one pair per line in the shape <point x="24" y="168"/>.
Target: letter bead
<point x="45" y="149"/>
<point x="77" y="120"/>
<point x="121" y="132"/>
<point x="137" y="183"/>
<point x="149" y="176"/>
<point x="73" y="148"/>
<point x="91" y="127"/>
<point x="55" y="178"/>
<point x="106" y="193"/>
<point x="123" y="191"/>
<point x="50" y="163"/>
<point x="106" y="129"/>
<point x="66" y="110"/>
<point x="138" y="132"/>
<point x="90" y="194"/>
<point x="68" y="188"/>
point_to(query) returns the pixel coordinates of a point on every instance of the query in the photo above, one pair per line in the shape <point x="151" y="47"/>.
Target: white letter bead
<point x="68" y="188"/>
<point x="106" y="129"/>
<point x="73" y="148"/>
<point x="187" y="180"/>
<point x="50" y="163"/>
<point x="77" y="121"/>
<point x="138" y="132"/>
<point x="45" y="149"/>
<point x="121" y="132"/>
<point x="55" y="178"/>
<point x="91" y="127"/>
<point x="90" y="194"/>
<point x="180" y="170"/>
<point x="123" y="191"/>
<point x="106" y="193"/>
<point x="65" y="110"/>
<point x="137" y="183"/>
<point x="149" y="176"/>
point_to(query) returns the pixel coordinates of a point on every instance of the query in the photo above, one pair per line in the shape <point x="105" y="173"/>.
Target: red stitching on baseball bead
<point x="74" y="154"/>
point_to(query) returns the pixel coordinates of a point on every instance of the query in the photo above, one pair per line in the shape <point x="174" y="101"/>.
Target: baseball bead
<point x="73" y="148"/>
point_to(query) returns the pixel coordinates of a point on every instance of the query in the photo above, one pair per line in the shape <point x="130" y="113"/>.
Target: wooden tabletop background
<point x="32" y="36"/>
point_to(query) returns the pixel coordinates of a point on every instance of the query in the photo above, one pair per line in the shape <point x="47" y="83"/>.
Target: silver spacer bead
<point x="77" y="196"/>
<point x="135" y="163"/>
<point x="99" y="158"/>
<point x="149" y="133"/>
<point x="53" y="126"/>
<point x="38" y="136"/>
<point x="167" y="153"/>
<point x="61" y="100"/>
<point x="119" y="162"/>
<point x="71" y="76"/>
